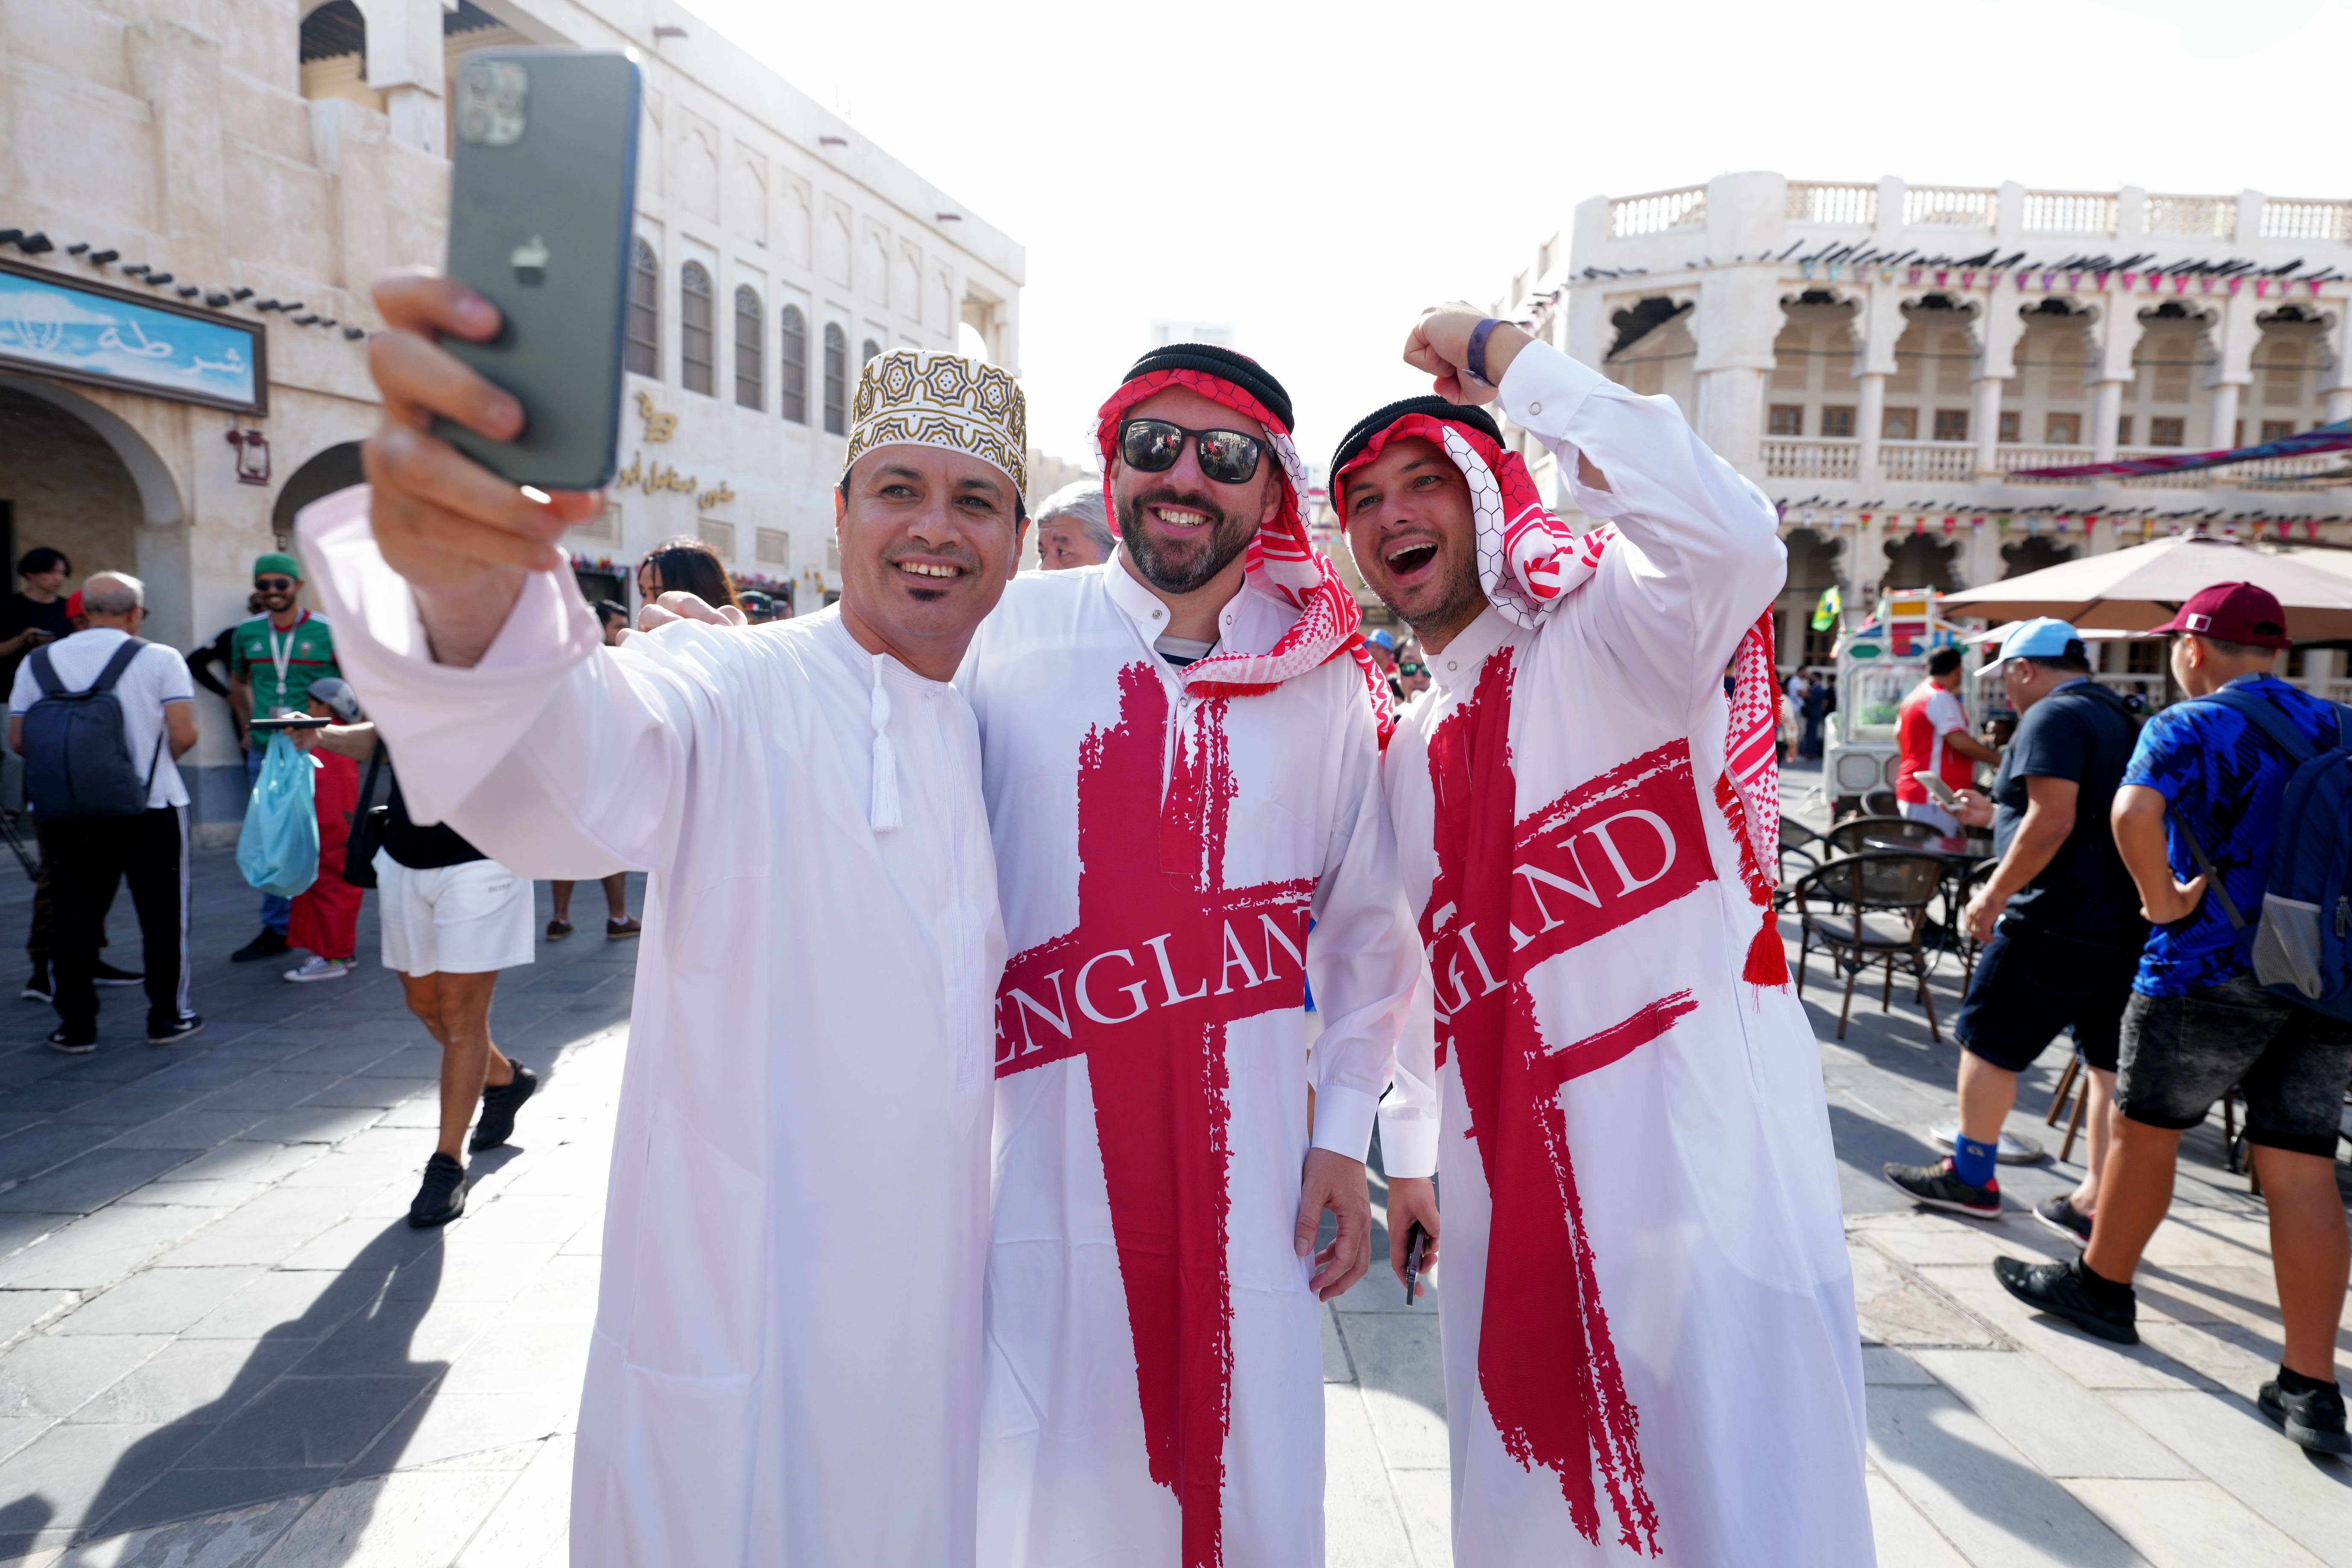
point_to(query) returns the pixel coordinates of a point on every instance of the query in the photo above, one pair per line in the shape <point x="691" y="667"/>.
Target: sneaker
<point x="106" y="975"/>
<point x="2061" y="1216"/>
<point x="622" y="930"/>
<point x="2314" y="1419"/>
<point x="317" y="968"/>
<point x="38" y="988"/>
<point x="558" y="929"/>
<point x="499" y="1104"/>
<point x="1937" y="1186"/>
<point x="71" y="1044"/>
<point x="2059" y="1289"/>
<point x="270" y="944"/>
<point x="171" y="1031"/>
<point x="442" y="1199"/>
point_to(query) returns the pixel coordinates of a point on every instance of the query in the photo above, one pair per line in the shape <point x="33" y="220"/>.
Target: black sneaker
<point x="170" y="1031"/>
<point x="499" y="1104"/>
<point x="39" y="988"/>
<point x="2061" y="1216"/>
<point x="2059" y="1289"/>
<point x="2314" y="1418"/>
<point x="442" y="1199"/>
<point x="1937" y="1186"/>
<point x="106" y="975"/>
<point x="268" y="944"/>
<point x="71" y="1044"/>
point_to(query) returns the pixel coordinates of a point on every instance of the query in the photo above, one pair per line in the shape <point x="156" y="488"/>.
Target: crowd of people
<point x="983" y="926"/>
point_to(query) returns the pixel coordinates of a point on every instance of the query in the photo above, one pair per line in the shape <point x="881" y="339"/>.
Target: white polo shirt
<point x="159" y="675"/>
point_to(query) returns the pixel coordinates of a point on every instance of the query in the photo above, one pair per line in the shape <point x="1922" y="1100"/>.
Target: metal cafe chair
<point x="1851" y="836"/>
<point x="2076" y="1081"/>
<point x="1866" y="909"/>
<point x="1805" y="846"/>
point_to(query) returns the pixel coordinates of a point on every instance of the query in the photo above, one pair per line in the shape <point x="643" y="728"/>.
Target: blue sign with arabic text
<point x="89" y="332"/>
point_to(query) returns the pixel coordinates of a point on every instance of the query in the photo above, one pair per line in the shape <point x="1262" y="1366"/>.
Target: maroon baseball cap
<point x="2233" y="611"/>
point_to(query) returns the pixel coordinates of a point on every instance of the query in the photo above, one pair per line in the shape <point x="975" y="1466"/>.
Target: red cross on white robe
<point x="1164" y="957"/>
<point x="1509" y="893"/>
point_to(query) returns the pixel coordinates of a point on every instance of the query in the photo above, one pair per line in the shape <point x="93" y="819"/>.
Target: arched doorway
<point x="1813" y="568"/>
<point x="336" y="468"/>
<point x="1921" y="561"/>
<point x="2032" y="553"/>
<point x="76" y="477"/>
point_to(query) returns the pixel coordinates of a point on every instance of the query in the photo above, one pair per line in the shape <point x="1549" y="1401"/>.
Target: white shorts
<point x="473" y="918"/>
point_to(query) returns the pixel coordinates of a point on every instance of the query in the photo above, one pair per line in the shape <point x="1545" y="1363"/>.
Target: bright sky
<point x="1312" y="175"/>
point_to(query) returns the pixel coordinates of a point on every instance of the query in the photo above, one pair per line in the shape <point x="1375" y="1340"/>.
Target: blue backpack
<point x="2303" y="939"/>
<point x="77" y="765"/>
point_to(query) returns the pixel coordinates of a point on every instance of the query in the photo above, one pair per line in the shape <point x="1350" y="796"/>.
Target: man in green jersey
<point x="273" y="659"/>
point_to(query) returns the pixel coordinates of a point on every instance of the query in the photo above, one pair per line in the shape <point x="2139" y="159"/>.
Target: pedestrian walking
<point x="2059" y="917"/>
<point x="2195" y="823"/>
<point x="1931" y="736"/>
<point x="101" y="719"/>
<point x="1815" y="709"/>
<point x="1073" y="528"/>
<point x="325" y="920"/>
<point x="274" y="658"/>
<point x="686" y="565"/>
<point x="619" y="924"/>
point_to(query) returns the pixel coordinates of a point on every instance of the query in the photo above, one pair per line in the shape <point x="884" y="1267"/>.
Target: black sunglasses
<point x="272" y="584"/>
<point x="1153" y="445"/>
<point x="1410" y="668"/>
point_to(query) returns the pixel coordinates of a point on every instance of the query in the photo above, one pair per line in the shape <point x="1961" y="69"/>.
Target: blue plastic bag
<point x="278" y="849"/>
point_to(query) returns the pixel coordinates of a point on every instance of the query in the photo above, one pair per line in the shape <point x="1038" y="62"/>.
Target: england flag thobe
<point x="1154" y="1365"/>
<point x="785" y="1366"/>
<point x="1648" y="1318"/>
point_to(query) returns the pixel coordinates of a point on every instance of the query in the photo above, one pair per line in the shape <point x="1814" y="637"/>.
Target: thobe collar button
<point x="1535" y="409"/>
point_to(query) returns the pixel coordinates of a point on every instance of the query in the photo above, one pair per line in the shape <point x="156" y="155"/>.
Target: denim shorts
<point x="2182" y="1053"/>
<point x="2030" y="987"/>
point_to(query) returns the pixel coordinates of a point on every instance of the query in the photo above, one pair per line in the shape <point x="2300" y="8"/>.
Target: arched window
<point x="791" y="368"/>
<point x="869" y="352"/>
<point x="750" y="360"/>
<point x="643" y="353"/>
<point x="694" y="352"/>
<point x="836" y="380"/>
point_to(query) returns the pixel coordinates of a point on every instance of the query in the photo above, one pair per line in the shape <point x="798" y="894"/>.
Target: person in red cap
<point x="2200" y="798"/>
<point x="1181" y="750"/>
<point x="1648" y="1315"/>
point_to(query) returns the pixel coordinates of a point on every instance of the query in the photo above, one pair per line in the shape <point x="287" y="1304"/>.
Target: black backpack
<point x="76" y="763"/>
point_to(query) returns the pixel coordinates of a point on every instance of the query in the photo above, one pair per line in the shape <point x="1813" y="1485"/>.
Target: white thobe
<point x="785" y="1367"/>
<point x="1678" y="1108"/>
<point x="1150" y="1332"/>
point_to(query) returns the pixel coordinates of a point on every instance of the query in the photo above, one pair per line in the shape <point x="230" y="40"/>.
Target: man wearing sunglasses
<point x="1649" y="1327"/>
<point x="1179" y="750"/>
<point x="273" y="658"/>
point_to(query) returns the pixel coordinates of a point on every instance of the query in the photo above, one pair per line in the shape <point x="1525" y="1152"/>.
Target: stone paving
<point x="224" y="1344"/>
<point x="221" y="1344"/>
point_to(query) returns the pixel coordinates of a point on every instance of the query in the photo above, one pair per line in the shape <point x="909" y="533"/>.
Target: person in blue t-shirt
<point x="2203" y="790"/>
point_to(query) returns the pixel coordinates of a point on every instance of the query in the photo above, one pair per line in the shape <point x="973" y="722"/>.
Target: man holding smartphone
<point x="786" y="1364"/>
<point x="1931" y="731"/>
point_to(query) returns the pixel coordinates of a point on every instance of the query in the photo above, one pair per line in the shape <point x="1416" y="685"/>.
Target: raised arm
<point x="1705" y="557"/>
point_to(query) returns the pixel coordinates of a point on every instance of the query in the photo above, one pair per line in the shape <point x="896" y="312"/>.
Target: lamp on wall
<point x="252" y="455"/>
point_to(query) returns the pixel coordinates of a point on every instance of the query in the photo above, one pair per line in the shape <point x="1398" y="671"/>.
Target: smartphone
<point x="1939" y="789"/>
<point x="543" y="194"/>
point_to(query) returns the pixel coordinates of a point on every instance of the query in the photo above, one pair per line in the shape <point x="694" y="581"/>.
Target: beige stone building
<point x="214" y="182"/>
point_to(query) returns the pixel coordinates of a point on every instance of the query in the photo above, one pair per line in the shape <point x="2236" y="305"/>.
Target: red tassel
<point x="1768" y="960"/>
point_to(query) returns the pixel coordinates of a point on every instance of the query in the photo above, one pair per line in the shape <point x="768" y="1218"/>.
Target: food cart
<point x="1878" y="663"/>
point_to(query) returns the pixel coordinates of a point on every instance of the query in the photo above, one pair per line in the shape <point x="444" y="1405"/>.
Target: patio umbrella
<point x="2136" y="589"/>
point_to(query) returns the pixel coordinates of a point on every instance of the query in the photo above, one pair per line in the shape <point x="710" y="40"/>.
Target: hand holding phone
<point x="1414" y="1240"/>
<point x="1936" y="788"/>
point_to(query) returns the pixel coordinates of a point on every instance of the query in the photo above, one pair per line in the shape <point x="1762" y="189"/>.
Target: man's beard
<point x="1461" y="602"/>
<point x="1191" y="566"/>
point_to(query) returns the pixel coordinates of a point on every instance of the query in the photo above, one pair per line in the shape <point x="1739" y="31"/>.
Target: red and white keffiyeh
<point x="1529" y="562"/>
<point x="1282" y="561"/>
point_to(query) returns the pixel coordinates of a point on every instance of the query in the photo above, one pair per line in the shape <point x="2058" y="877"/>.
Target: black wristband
<point x="1478" y="336"/>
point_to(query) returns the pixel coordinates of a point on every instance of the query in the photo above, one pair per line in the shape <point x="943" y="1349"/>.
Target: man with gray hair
<point x="146" y="847"/>
<point x="1073" y="527"/>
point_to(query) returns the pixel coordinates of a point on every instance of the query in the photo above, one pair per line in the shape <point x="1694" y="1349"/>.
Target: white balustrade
<point x="1928" y="459"/>
<point x="1851" y="206"/>
<point x="1656" y="213"/>
<point x="1809" y="458"/>
<point x="2069" y="211"/>
<point x="2012" y="458"/>
<point x="2306" y="220"/>
<point x="1948" y="206"/>
<point x="2199" y="217"/>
